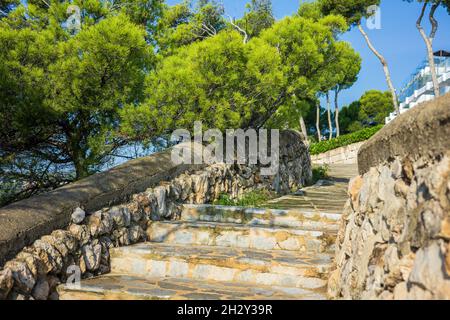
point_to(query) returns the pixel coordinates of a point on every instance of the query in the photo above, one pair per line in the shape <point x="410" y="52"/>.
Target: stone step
<point x="327" y="186"/>
<point x="124" y="287"/>
<point x="261" y="217"/>
<point x="299" y="202"/>
<point x="325" y="191"/>
<point x="306" y="206"/>
<point x="275" y="268"/>
<point x="239" y="236"/>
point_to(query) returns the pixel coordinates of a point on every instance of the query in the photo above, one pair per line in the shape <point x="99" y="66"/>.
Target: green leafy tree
<point x="258" y="17"/>
<point x="310" y="10"/>
<point x="220" y="80"/>
<point x="428" y="39"/>
<point x="375" y="107"/>
<point x="309" y="60"/>
<point x="354" y="11"/>
<point x="349" y="118"/>
<point x="341" y="73"/>
<point x="226" y="82"/>
<point x="61" y="94"/>
<point x="348" y="68"/>
<point x="184" y="23"/>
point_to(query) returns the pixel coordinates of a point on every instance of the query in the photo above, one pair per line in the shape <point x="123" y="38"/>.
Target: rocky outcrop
<point x="394" y="242"/>
<point x="82" y="248"/>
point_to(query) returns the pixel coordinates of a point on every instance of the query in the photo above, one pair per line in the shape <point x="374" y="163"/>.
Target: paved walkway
<point x="283" y="251"/>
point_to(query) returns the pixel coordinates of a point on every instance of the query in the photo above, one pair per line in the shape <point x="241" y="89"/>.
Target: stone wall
<point x="394" y="242"/>
<point x="25" y="221"/>
<point x="84" y="243"/>
<point x="344" y="155"/>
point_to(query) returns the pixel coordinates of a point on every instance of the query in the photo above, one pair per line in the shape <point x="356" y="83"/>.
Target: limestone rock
<point x="33" y="262"/>
<point x="140" y="207"/>
<point x="135" y="234"/>
<point x="354" y="188"/>
<point x="81" y="233"/>
<point x="396" y="169"/>
<point x="185" y="186"/>
<point x="92" y="256"/>
<point x="78" y="215"/>
<point x="161" y="194"/>
<point x="59" y="245"/>
<point x="401" y="188"/>
<point x="100" y="223"/>
<point x="67" y="239"/>
<point x="445" y="228"/>
<point x="136" y="213"/>
<point x="41" y="290"/>
<point x="24" y="279"/>
<point x="49" y="255"/>
<point x="118" y="218"/>
<point x="6" y="283"/>
<point x="401" y="291"/>
<point x="399" y="271"/>
<point x="121" y="237"/>
<point x="126" y="216"/>
<point x="431" y="222"/>
<point x="428" y="271"/>
<point x="408" y="169"/>
<point x="106" y="244"/>
<point x="333" y="285"/>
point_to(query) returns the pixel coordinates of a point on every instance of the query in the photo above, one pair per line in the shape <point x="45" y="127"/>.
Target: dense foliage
<point x="74" y="98"/>
<point x="228" y="83"/>
<point x="375" y="107"/>
<point x="186" y="23"/>
<point x="345" y="140"/>
<point x="61" y="91"/>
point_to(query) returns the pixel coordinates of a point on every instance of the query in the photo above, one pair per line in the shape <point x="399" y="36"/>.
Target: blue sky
<point x="398" y="40"/>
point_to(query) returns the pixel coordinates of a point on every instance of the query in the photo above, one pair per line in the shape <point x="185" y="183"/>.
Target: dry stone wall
<point x="394" y="241"/>
<point x="83" y="246"/>
<point x="343" y="155"/>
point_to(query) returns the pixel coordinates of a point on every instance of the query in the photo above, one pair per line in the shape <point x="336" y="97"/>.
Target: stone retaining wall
<point x="83" y="244"/>
<point x="344" y="155"/>
<point x="394" y="242"/>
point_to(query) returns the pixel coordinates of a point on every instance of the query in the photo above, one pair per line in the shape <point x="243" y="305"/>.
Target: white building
<point x="419" y="87"/>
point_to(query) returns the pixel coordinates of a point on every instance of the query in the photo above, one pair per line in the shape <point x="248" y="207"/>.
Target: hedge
<point x="345" y="140"/>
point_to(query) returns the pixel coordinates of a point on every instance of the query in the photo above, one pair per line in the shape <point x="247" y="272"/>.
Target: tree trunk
<point x="81" y="171"/>
<point x="429" y="43"/>
<point x="330" y="125"/>
<point x="303" y="129"/>
<point x="75" y="135"/>
<point x="336" y="112"/>
<point x="319" y="136"/>
<point x="385" y="68"/>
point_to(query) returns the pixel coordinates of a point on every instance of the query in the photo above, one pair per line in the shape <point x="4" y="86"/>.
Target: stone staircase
<point x="283" y="251"/>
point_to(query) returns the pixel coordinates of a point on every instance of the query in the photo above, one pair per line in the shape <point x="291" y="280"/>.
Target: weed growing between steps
<point x="319" y="173"/>
<point x="254" y="199"/>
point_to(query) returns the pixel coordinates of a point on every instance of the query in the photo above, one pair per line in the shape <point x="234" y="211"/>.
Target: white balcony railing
<point x="426" y="91"/>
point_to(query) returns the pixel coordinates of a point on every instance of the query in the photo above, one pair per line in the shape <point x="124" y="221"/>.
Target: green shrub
<point x="251" y="199"/>
<point x="345" y="140"/>
<point x="319" y="173"/>
<point x="224" y="200"/>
